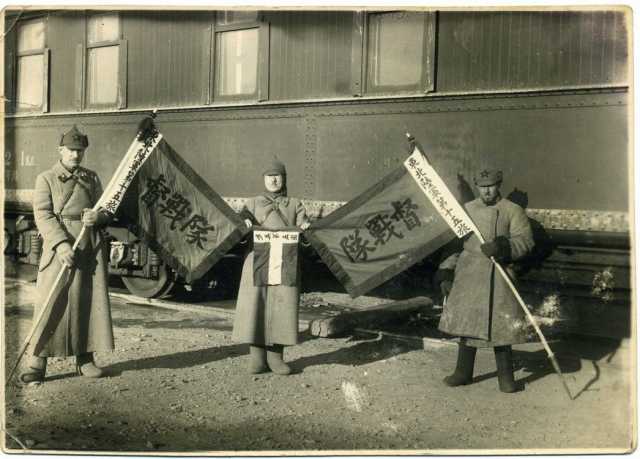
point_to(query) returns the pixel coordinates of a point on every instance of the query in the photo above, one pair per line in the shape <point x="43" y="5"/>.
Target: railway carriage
<point x="331" y="93"/>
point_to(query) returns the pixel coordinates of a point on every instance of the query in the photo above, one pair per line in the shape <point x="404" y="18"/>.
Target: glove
<point x="64" y="252"/>
<point x="499" y="249"/>
<point x="444" y="279"/>
<point x="89" y="217"/>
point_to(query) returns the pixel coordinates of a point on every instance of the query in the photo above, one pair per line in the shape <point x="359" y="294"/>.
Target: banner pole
<point x="533" y="322"/>
<point x="48" y="304"/>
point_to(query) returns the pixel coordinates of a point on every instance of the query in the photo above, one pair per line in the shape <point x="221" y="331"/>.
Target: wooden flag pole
<point x="52" y="296"/>
<point x="511" y="285"/>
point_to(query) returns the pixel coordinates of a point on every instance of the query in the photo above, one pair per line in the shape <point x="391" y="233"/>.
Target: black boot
<point x="504" y="364"/>
<point x="463" y="373"/>
<point x="258" y="362"/>
<point x="274" y="359"/>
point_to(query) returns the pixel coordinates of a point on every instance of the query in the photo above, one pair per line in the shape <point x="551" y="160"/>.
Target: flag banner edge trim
<point x="359" y="200"/>
<point x="356" y="290"/>
<point x="332" y="263"/>
<point x="232" y="238"/>
<point x="190" y="275"/>
<point x="203" y="186"/>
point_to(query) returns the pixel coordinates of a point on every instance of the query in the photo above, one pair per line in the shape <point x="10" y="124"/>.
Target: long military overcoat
<point x="268" y="315"/>
<point x="80" y="320"/>
<point x="481" y="305"/>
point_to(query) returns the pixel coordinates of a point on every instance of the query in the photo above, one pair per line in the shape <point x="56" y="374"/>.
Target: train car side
<point x="543" y="93"/>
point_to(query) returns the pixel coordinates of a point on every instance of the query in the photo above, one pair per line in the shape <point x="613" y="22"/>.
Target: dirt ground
<point x="177" y="383"/>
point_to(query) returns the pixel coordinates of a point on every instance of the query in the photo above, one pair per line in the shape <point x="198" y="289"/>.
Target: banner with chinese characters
<point x="180" y="216"/>
<point x="138" y="153"/>
<point x="275" y="257"/>
<point x="438" y="193"/>
<point x="380" y="233"/>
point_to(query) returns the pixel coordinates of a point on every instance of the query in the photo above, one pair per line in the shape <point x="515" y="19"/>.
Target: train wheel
<point x="151" y="288"/>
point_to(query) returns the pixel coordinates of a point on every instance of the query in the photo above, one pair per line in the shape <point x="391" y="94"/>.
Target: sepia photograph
<point x="318" y="231"/>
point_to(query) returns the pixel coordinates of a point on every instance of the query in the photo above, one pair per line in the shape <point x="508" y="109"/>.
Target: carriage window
<point x="240" y="40"/>
<point x="105" y="62"/>
<point x="32" y="67"/>
<point x="237" y="62"/>
<point x="399" y="52"/>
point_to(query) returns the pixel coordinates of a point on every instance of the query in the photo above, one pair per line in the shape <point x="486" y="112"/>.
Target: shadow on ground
<point x="570" y="355"/>
<point x="362" y="353"/>
<point x="179" y="360"/>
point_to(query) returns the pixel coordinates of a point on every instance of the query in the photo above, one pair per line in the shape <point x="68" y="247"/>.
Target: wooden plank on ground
<point x="370" y="318"/>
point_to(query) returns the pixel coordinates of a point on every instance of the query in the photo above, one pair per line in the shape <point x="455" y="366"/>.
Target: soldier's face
<point x="489" y="193"/>
<point x="273" y="183"/>
<point x="70" y="158"/>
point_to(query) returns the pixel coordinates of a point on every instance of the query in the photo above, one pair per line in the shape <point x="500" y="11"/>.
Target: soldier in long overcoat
<point x="267" y="316"/>
<point x="79" y="323"/>
<point x="480" y="307"/>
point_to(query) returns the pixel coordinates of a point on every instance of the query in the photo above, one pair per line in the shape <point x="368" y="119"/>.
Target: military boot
<point x="85" y="366"/>
<point x="36" y="371"/>
<point x="504" y="365"/>
<point x="258" y="362"/>
<point x="274" y="360"/>
<point x="463" y="373"/>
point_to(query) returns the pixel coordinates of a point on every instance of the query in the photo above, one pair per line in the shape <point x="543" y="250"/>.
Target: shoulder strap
<point x="66" y="197"/>
<point x="284" y="219"/>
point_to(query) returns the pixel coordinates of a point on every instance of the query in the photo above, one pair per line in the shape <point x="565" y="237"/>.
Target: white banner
<point x="133" y="160"/>
<point x="275" y="236"/>
<point x="438" y="193"/>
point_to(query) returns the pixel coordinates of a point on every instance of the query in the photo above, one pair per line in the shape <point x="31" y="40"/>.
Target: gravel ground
<point x="178" y="384"/>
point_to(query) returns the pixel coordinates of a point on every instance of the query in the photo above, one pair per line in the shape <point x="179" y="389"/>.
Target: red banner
<point x="180" y="216"/>
<point x="380" y="233"/>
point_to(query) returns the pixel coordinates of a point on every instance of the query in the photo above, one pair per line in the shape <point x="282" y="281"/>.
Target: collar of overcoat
<point x="65" y="174"/>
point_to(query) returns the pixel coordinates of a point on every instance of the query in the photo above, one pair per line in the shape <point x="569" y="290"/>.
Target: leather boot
<point x="463" y="373"/>
<point x="504" y="364"/>
<point x="36" y="371"/>
<point x="86" y="367"/>
<point x="274" y="360"/>
<point x="258" y="362"/>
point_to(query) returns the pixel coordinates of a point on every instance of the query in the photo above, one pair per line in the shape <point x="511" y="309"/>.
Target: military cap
<point x="275" y="168"/>
<point x="74" y="139"/>
<point x="486" y="176"/>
